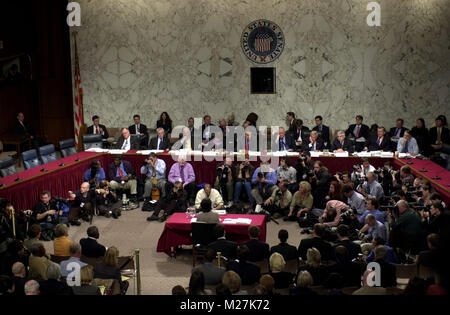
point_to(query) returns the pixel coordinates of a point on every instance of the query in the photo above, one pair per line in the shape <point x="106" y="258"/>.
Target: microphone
<point x="17" y="179"/>
<point x="436" y="177"/>
<point x="77" y="160"/>
<point x="423" y="170"/>
<point x="62" y="164"/>
<point x="43" y="170"/>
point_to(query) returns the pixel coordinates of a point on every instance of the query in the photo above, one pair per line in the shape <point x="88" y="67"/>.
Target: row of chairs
<point x="34" y="158"/>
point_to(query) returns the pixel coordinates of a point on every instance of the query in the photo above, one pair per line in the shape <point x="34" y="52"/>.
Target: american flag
<point x="78" y="104"/>
<point x="262" y="41"/>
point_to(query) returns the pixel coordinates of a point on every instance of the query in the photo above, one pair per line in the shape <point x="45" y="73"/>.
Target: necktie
<point x="397" y="133"/>
<point x="96" y="131"/>
<point x="379" y="141"/>
<point x="125" y="144"/>
<point x="439" y="132"/>
<point x="137" y="129"/>
<point x="405" y="149"/>
<point x="189" y="144"/>
<point x="357" y="131"/>
<point x="246" y="145"/>
<point x="342" y="144"/>
<point x="182" y="173"/>
<point x="159" y="142"/>
<point x="120" y="172"/>
<point x="283" y="145"/>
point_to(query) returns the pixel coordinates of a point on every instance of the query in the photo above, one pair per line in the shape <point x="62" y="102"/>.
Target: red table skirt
<point x="59" y="180"/>
<point x="177" y="231"/>
<point x="433" y="170"/>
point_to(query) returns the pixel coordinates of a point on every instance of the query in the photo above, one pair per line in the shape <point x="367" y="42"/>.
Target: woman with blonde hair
<point x="86" y="278"/>
<point x="109" y="268"/>
<point x="302" y="201"/>
<point x="314" y="267"/>
<point x="282" y="278"/>
<point x="61" y="243"/>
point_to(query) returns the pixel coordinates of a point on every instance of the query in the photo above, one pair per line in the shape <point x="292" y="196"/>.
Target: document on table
<point x="237" y="221"/>
<point x="315" y="154"/>
<point x="220" y="212"/>
<point x="98" y="150"/>
<point x="387" y="154"/>
<point x="364" y="154"/>
<point x="147" y="152"/>
<point x="117" y="151"/>
<point x="193" y="220"/>
<point x="340" y="154"/>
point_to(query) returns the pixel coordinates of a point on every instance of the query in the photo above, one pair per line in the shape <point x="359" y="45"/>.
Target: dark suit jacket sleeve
<point x="128" y="168"/>
<point x="348" y="146"/>
<point x="349" y="131"/>
<point x="119" y="143"/>
<point x="134" y="145"/>
<point x="112" y="173"/>
<point x="106" y="135"/>
<point x="90" y="130"/>
<point x="153" y="144"/>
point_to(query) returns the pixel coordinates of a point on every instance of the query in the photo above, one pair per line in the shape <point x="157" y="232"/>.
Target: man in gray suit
<point x="213" y="274"/>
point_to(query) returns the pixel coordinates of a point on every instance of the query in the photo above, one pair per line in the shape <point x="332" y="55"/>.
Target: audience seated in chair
<point x="212" y="273"/>
<point x="282" y="278"/>
<point x="205" y="215"/>
<point x="317" y="242"/>
<point x="313" y="265"/>
<point x="61" y="243"/>
<point x="367" y="289"/>
<point x="89" y="246"/>
<point x="233" y="282"/>
<point x="248" y="272"/>
<point x="288" y="252"/>
<point x="75" y="254"/>
<point x="348" y="270"/>
<point x="38" y="262"/>
<point x="388" y="272"/>
<point x="258" y="250"/>
<point x="304" y="283"/>
<point x="86" y="278"/>
<point x="226" y="247"/>
<point x="109" y="269"/>
<point x="197" y="284"/>
<point x="53" y="285"/>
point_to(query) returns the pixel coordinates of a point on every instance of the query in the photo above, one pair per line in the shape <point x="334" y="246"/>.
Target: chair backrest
<point x="92" y="141"/>
<point x="7" y="167"/>
<point x="67" y="147"/>
<point x="151" y="134"/>
<point x="30" y="159"/>
<point x="58" y="259"/>
<point x="48" y="154"/>
<point x="292" y="266"/>
<point x="263" y="265"/>
<point x="203" y="233"/>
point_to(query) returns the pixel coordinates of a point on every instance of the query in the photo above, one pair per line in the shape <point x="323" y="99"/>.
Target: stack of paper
<point x="99" y="150"/>
<point x="117" y="151"/>
<point x="193" y="220"/>
<point x="340" y="154"/>
<point x="220" y="212"/>
<point x="292" y="153"/>
<point x="387" y="154"/>
<point x="364" y="154"/>
<point x="147" y="152"/>
<point x="404" y="155"/>
<point x="229" y="221"/>
<point x="244" y="221"/>
<point x="315" y="154"/>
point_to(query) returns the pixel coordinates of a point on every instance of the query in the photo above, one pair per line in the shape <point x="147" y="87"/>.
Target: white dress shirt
<point x="126" y="144"/>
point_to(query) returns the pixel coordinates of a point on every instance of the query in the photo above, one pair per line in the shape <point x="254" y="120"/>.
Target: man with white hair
<point x="374" y="228"/>
<point x="387" y="270"/>
<point x="127" y="142"/>
<point x="371" y="188"/>
<point x="53" y="286"/>
<point x="32" y="288"/>
<point x="161" y="142"/>
<point x="314" y="144"/>
<point x="184" y="172"/>
<point x="341" y="143"/>
<point x="75" y="254"/>
<point x="19" y="277"/>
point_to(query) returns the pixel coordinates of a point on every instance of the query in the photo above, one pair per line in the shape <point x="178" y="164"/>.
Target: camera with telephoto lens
<point x="61" y="200"/>
<point x="356" y="168"/>
<point x="260" y="175"/>
<point x="348" y="214"/>
<point x="279" y="193"/>
<point x="340" y="175"/>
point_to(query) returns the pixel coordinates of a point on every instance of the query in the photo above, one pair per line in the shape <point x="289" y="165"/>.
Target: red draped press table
<point x="177" y="231"/>
<point x="59" y="179"/>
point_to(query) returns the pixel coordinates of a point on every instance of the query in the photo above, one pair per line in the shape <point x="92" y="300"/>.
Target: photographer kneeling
<point x="224" y="180"/>
<point x="175" y="201"/>
<point x="107" y="201"/>
<point x="46" y="214"/>
<point x="82" y="205"/>
<point x="279" y="202"/>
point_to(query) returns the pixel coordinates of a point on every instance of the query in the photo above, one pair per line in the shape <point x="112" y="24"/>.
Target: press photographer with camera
<point x="155" y="170"/>
<point x="95" y="174"/>
<point x="107" y="202"/>
<point x="122" y="176"/>
<point x="224" y="180"/>
<point x="436" y="220"/>
<point x="360" y="171"/>
<point x="404" y="178"/>
<point x="304" y="166"/>
<point x="374" y="229"/>
<point x="372" y="207"/>
<point x="344" y="178"/>
<point x="406" y="225"/>
<point x="82" y="205"/>
<point x="279" y="202"/>
<point x="385" y="177"/>
<point x="46" y="214"/>
<point x="264" y="180"/>
<point x="320" y="183"/>
<point x="371" y="188"/>
<point x="243" y="177"/>
<point x="328" y="218"/>
<point x="288" y="174"/>
<point x="426" y="190"/>
<point x="9" y="228"/>
<point x="355" y="200"/>
<point x="175" y="201"/>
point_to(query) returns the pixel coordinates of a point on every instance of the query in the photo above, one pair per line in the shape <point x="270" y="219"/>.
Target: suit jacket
<point x="288" y="252"/>
<point x="445" y="135"/>
<point x="90" y="131"/>
<point x="213" y="274"/>
<point x="112" y="170"/>
<point x="325" y="133"/>
<point x="18" y="129"/>
<point x="248" y="272"/>
<point x="165" y="144"/>
<point x="347" y="146"/>
<point x="353" y="248"/>
<point x="363" y="132"/>
<point x="294" y="133"/>
<point x="290" y="143"/>
<point x="388" y="274"/>
<point x="54" y="287"/>
<point x="319" y="145"/>
<point x="350" y="271"/>
<point x="226" y="247"/>
<point x="372" y="144"/>
<point x="134" y="144"/>
<point x="211" y="136"/>
<point x="86" y="290"/>
<point x="142" y="129"/>
<point x="258" y="250"/>
<point x="322" y="246"/>
<point x="393" y="129"/>
<point x="90" y="248"/>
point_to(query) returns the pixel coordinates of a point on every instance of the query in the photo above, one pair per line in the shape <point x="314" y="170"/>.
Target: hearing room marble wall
<point x="184" y="57"/>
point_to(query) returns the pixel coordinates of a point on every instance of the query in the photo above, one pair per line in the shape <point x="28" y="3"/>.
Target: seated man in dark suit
<point x="350" y="271"/>
<point x="343" y="239"/>
<point x="127" y="142"/>
<point x="161" y="142"/>
<point x="388" y="271"/>
<point x="248" y="272"/>
<point x="139" y="129"/>
<point x="89" y="246"/>
<point x="314" y="143"/>
<point x="288" y="252"/>
<point x="341" y="143"/>
<point x="315" y="241"/>
<point x="96" y="128"/>
<point x="439" y="135"/>
<point x="284" y="141"/>
<point x="381" y="142"/>
<point x="213" y="274"/>
<point x="207" y="134"/>
<point x="398" y="131"/>
<point x="298" y="134"/>
<point x="122" y="171"/>
<point x="21" y="128"/>
<point x="358" y="131"/>
<point x="226" y="247"/>
<point x="324" y="130"/>
<point x="258" y="250"/>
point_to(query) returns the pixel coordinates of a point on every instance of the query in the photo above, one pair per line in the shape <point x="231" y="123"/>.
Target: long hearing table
<point x="66" y="174"/>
